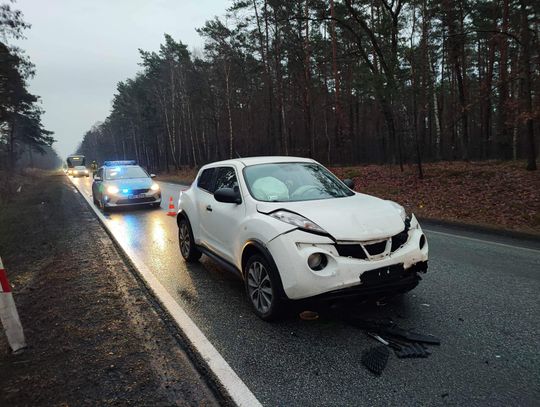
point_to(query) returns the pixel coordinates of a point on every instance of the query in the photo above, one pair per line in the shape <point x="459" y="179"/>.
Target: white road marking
<point x="481" y="240"/>
<point x="231" y="382"/>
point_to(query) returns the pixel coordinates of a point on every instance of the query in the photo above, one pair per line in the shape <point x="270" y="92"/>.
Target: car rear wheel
<point x="188" y="250"/>
<point x="263" y="288"/>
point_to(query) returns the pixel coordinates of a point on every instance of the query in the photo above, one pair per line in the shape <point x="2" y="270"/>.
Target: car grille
<point x="376" y="248"/>
<point x="351" y="250"/>
<point x="136" y="200"/>
<point x="356" y="250"/>
<point x="399" y="240"/>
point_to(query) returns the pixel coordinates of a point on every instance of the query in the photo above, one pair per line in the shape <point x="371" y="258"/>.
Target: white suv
<point x="292" y="230"/>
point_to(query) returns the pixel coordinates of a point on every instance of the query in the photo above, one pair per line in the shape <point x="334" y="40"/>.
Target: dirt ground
<point x="94" y="336"/>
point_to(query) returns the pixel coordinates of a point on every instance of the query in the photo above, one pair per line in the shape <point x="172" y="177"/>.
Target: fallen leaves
<point x="497" y="194"/>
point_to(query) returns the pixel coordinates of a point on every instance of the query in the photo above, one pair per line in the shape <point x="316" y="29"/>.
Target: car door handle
<point x="209" y="208"/>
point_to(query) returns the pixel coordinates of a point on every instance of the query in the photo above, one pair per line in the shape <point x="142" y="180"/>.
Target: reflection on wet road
<point x="480" y="298"/>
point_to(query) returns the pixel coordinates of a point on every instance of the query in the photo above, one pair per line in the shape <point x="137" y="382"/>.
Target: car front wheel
<point x="263" y="288"/>
<point x="189" y="251"/>
<point x="104" y="207"/>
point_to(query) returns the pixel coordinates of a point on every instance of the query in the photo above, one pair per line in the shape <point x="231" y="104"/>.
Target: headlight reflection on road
<point x="120" y="226"/>
<point x="159" y="236"/>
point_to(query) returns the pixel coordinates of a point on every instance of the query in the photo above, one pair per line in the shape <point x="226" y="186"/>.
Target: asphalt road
<point x="480" y="296"/>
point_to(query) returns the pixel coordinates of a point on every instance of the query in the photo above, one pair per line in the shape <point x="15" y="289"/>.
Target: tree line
<point x="21" y="131"/>
<point x="344" y="82"/>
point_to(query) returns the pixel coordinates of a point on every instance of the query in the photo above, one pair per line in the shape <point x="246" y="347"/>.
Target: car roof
<point x="247" y="161"/>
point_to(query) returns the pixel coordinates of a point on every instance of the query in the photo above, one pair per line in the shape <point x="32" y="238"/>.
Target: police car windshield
<point x="125" y="173"/>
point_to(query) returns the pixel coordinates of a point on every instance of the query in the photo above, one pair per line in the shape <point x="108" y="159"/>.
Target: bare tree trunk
<point x="307" y="83"/>
<point x="527" y="84"/>
<point x="229" y="114"/>
<point x="503" y="143"/>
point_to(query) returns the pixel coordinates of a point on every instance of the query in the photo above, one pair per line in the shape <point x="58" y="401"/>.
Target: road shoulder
<point x="94" y="335"/>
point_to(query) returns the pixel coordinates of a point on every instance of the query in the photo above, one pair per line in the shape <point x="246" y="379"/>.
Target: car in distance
<point x="80" y="171"/>
<point x="293" y="231"/>
<point x="124" y="183"/>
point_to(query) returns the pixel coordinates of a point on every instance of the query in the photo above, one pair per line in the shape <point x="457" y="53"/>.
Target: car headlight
<point x="154" y="187"/>
<point x="297" y="220"/>
<point x="112" y="190"/>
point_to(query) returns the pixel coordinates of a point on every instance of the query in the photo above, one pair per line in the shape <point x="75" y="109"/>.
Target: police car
<point x="124" y="183"/>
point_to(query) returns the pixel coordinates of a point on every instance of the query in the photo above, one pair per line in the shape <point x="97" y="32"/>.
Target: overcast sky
<point x="83" y="48"/>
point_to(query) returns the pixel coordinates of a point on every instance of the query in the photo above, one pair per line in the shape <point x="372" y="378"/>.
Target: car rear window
<point x="205" y="179"/>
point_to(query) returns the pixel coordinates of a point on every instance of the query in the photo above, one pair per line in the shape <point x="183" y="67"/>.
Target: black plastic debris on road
<point x="375" y="359"/>
<point x="405" y="343"/>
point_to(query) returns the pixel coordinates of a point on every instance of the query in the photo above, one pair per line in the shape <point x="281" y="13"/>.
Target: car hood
<point x="357" y="218"/>
<point x="132" y="183"/>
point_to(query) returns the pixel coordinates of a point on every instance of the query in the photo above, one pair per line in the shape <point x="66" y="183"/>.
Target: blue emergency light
<point x="120" y="162"/>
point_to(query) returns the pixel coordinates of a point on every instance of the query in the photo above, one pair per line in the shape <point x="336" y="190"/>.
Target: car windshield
<point x="286" y="182"/>
<point x="125" y="173"/>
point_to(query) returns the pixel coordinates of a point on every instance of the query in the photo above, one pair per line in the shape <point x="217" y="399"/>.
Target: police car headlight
<point x="112" y="190"/>
<point x="154" y="187"/>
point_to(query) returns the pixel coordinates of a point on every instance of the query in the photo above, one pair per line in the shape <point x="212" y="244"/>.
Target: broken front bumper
<point x="346" y="275"/>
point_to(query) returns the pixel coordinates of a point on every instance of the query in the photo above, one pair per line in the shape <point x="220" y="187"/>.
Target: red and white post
<point x="8" y="313"/>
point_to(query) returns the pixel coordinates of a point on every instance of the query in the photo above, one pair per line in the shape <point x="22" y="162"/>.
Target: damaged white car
<point x="292" y="231"/>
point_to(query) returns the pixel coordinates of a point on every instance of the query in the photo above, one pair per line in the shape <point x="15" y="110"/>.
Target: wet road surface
<point x="480" y="296"/>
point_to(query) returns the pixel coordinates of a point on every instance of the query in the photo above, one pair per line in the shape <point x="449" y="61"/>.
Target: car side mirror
<point x="227" y="195"/>
<point x="96" y="178"/>
<point x="152" y="175"/>
<point x="349" y="182"/>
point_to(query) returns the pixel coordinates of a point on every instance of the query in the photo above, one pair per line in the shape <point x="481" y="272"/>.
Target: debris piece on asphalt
<point x="388" y="327"/>
<point x="375" y="359"/>
<point x="309" y="315"/>
<point x="410" y="335"/>
<point x="377" y="337"/>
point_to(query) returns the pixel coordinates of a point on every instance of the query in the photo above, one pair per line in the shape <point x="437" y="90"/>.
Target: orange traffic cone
<point x="171" y="212"/>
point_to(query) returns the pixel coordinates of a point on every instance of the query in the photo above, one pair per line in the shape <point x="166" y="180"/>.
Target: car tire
<point x="188" y="249"/>
<point x="264" y="288"/>
<point x="104" y="208"/>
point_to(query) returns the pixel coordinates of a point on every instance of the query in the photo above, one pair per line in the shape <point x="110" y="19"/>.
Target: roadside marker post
<point x="8" y="313"/>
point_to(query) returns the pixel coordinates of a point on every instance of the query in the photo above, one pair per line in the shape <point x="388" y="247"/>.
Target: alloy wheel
<point x="259" y="287"/>
<point x="185" y="244"/>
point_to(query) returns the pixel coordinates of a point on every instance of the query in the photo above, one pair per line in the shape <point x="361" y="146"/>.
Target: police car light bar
<point x="120" y="162"/>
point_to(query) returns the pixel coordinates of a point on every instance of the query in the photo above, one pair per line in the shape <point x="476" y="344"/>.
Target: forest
<point x="344" y="82"/>
<point x="24" y="142"/>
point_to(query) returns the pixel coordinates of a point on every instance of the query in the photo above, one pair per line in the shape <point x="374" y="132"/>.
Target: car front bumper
<point x="117" y="200"/>
<point x="344" y="276"/>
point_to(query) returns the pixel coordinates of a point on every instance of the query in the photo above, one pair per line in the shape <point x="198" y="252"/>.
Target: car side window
<point x="225" y="178"/>
<point x="205" y="180"/>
